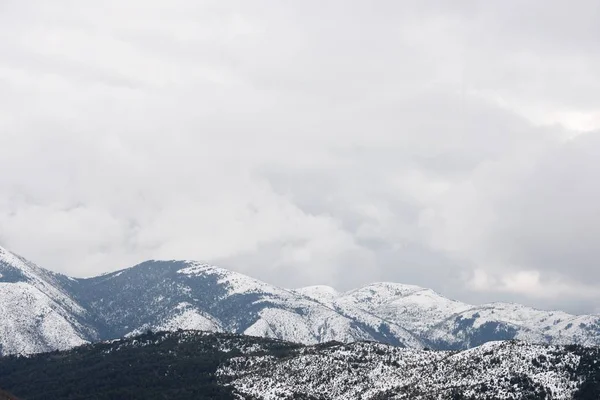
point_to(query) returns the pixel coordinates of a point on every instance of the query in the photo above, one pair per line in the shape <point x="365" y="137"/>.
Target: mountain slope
<point x="41" y="310"/>
<point x="498" y="370"/>
<point x="413" y="307"/>
<point x="199" y="365"/>
<point x="186" y="294"/>
<point x="36" y="312"/>
<point x="166" y="365"/>
<point x="502" y="321"/>
<point x="442" y="323"/>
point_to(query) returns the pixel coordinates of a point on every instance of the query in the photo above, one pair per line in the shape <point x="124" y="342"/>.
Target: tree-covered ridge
<point x="201" y="365"/>
<point x="500" y="370"/>
<point x="177" y="365"/>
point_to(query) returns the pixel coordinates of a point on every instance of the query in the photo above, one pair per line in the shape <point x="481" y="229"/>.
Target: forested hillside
<point x="201" y="365"/>
<point x="179" y="365"/>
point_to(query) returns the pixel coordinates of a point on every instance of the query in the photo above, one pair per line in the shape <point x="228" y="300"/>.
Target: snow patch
<point x="236" y="283"/>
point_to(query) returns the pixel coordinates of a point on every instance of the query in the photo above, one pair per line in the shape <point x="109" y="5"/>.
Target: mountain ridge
<point x="36" y="311"/>
<point x="205" y="365"/>
<point x="170" y="295"/>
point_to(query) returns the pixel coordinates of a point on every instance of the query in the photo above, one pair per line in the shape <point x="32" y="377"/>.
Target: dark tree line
<point x="161" y="366"/>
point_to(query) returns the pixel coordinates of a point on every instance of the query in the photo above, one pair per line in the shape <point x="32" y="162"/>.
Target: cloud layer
<point x="453" y="145"/>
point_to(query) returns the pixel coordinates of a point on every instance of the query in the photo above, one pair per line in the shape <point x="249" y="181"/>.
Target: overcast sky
<point x="449" y="144"/>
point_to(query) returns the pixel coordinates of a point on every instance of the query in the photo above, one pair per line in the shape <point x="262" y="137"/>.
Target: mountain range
<point x="43" y="311"/>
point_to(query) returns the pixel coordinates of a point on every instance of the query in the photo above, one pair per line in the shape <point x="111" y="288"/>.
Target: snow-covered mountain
<point x="475" y="325"/>
<point x="36" y="312"/>
<point x="414" y="307"/>
<point x="442" y="323"/>
<point x="41" y="310"/>
<point x="189" y="295"/>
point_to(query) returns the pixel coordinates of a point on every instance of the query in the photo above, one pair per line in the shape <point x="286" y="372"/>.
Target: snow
<point x="321" y="293"/>
<point x="276" y="323"/>
<point x="395" y="313"/>
<point x="36" y="314"/>
<point x="236" y="283"/>
<point x="371" y="370"/>
<point x="185" y="317"/>
<point x="415" y="308"/>
<point x="295" y="315"/>
<point x="40" y="278"/>
<point x="532" y="325"/>
<point x="30" y="322"/>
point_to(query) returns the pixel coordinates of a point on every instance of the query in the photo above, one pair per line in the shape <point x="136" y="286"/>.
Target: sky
<point x="452" y="145"/>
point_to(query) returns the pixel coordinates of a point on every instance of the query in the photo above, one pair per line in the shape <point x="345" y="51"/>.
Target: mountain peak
<point x="7" y="256"/>
<point x="38" y="312"/>
<point x="236" y="283"/>
<point x="322" y="293"/>
<point x="382" y="292"/>
<point x="318" y="292"/>
<point x="15" y="268"/>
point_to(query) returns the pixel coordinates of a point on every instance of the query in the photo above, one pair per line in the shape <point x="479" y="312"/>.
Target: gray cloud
<point x="448" y="144"/>
<point x="552" y="221"/>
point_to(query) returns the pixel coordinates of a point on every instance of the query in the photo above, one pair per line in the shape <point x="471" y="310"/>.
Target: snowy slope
<point x="36" y="313"/>
<point x="507" y="321"/>
<point x="413" y="307"/>
<point x="329" y="297"/>
<point x="41" y="310"/>
<point x="443" y="323"/>
<point x="499" y="370"/>
<point x="289" y="315"/>
<point x="190" y="295"/>
<point x="321" y="293"/>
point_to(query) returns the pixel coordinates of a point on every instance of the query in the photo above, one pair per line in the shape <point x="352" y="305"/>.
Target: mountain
<point x="442" y="323"/>
<point x="416" y="308"/>
<point x="502" y="321"/>
<point x="167" y="295"/>
<point x="201" y="365"/>
<point x="189" y="295"/>
<point x="36" y="312"/>
<point x="42" y="311"/>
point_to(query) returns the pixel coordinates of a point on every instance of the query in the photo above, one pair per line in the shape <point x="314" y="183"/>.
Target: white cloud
<point x="334" y="143"/>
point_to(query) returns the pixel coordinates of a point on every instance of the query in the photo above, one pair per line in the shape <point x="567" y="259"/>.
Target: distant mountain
<point x="189" y="295"/>
<point x="415" y="308"/>
<point x="200" y="365"/>
<point x="169" y="295"/>
<point x="43" y="311"/>
<point x="502" y="321"/>
<point x="37" y="313"/>
<point x="441" y="323"/>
